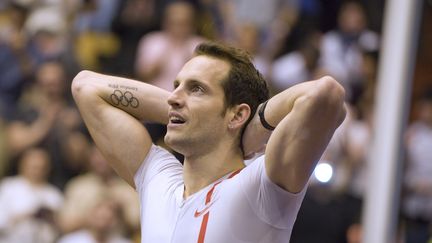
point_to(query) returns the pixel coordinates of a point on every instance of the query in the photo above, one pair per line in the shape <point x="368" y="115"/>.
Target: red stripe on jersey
<point x="204" y="222"/>
<point x="202" y="232"/>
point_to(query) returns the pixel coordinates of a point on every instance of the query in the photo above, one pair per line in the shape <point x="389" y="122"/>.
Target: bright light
<point x="323" y="172"/>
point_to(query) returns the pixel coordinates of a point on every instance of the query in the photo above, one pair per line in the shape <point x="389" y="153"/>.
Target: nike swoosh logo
<point x="204" y="210"/>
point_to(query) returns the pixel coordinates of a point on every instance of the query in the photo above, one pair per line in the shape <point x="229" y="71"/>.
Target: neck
<point x="201" y="170"/>
<point x="33" y="181"/>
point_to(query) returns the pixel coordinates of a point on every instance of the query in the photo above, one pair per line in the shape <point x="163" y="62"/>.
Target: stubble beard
<point x="178" y="142"/>
<point x="190" y="144"/>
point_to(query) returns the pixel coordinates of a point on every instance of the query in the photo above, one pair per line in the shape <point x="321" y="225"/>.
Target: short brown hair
<point x="244" y="83"/>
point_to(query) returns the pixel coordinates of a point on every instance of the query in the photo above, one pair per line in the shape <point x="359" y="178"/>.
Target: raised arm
<point x="305" y="116"/>
<point x="112" y="109"/>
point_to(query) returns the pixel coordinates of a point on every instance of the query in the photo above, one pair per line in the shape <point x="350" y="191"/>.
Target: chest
<point x="215" y="214"/>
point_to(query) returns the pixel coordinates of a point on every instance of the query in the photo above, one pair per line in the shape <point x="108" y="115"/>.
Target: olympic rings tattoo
<point x="124" y="99"/>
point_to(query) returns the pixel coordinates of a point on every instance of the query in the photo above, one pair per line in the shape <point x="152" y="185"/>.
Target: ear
<point x="239" y="116"/>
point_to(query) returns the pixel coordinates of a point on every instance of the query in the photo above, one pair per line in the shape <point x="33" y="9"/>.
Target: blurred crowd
<point x="56" y="187"/>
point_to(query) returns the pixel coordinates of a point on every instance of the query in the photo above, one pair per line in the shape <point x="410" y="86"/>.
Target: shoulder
<point x="271" y="203"/>
<point x="369" y="40"/>
<point x="159" y="153"/>
<point x="255" y="172"/>
<point x="13" y="182"/>
<point x="158" y="162"/>
<point x="53" y="197"/>
<point x="51" y="189"/>
<point x="331" y="39"/>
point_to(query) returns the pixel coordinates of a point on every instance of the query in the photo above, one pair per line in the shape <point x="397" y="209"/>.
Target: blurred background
<point x="56" y="187"/>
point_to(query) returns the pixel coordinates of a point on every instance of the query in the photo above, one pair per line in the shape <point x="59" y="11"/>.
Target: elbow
<point x="331" y="90"/>
<point x="329" y="97"/>
<point x="79" y="81"/>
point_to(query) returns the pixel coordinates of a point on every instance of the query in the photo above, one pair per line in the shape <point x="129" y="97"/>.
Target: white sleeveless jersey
<point x="243" y="206"/>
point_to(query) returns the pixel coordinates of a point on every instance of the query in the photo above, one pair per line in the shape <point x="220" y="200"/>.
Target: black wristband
<point x="262" y="119"/>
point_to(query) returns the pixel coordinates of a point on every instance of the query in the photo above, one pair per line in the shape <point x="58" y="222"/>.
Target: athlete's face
<point x="197" y="119"/>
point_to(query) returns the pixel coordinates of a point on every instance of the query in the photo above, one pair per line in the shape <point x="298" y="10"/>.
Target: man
<point x="28" y="202"/>
<point x="212" y="120"/>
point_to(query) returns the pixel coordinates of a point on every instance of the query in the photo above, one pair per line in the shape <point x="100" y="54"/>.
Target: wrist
<point x="261" y="114"/>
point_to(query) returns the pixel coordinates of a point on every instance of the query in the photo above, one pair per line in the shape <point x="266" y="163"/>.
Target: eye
<point x="197" y="88"/>
<point x="175" y="84"/>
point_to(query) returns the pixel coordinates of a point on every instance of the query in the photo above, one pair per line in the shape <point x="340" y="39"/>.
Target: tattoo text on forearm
<point x="124" y="98"/>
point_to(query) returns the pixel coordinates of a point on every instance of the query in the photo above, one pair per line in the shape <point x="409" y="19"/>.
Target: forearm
<point x="112" y="109"/>
<point x="143" y="101"/>
<point x="307" y="109"/>
<point x="321" y="92"/>
<point x="276" y="109"/>
<point x="305" y="118"/>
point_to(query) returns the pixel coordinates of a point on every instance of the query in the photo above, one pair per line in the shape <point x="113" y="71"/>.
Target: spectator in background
<point x="84" y="192"/>
<point x="329" y="212"/>
<point x="15" y="62"/>
<point x="134" y="19"/>
<point x="341" y="49"/>
<point x="368" y="74"/>
<point x="100" y="225"/>
<point x="349" y="147"/>
<point x="417" y="203"/>
<point x="297" y="66"/>
<point x="210" y="19"/>
<point x="358" y="140"/>
<point x="3" y="150"/>
<point x="340" y="199"/>
<point x="273" y="19"/>
<point x="92" y="32"/>
<point x="95" y="15"/>
<point x="30" y="36"/>
<point x="162" y="54"/>
<point x="50" y="33"/>
<point x="28" y="202"/>
<point x="46" y="118"/>
<point x="39" y="105"/>
<point x="247" y="37"/>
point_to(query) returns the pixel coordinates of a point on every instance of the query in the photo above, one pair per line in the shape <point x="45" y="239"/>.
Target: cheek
<point x="208" y="113"/>
<point x="209" y="122"/>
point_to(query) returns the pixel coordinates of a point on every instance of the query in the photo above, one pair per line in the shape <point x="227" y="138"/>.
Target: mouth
<point x="175" y="119"/>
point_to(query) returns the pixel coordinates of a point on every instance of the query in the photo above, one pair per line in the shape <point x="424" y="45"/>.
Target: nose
<point x="176" y="98"/>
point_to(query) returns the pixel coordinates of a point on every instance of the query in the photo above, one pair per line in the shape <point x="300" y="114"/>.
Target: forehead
<point x="206" y="69"/>
<point x="179" y="10"/>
